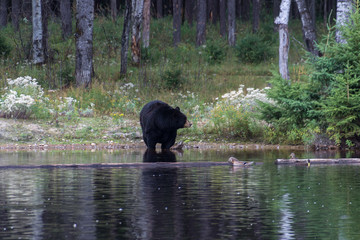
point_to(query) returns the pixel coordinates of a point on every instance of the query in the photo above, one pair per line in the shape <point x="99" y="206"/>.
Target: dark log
<point x="318" y="161"/>
<point x="124" y="165"/>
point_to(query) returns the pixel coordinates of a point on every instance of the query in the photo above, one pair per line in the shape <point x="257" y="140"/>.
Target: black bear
<point x="160" y="122"/>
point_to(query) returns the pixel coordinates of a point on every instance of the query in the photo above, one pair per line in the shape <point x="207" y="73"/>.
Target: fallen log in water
<point x="318" y="161"/>
<point x="122" y="165"/>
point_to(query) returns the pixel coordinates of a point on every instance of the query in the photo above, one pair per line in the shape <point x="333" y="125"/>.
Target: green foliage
<point x="253" y="49"/>
<point x="172" y="78"/>
<point x="215" y="51"/>
<point x="4" y="48"/>
<point x="329" y="100"/>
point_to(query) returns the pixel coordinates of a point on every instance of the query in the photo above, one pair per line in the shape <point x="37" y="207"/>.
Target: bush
<point x="5" y="49"/>
<point x="253" y="49"/>
<point x="214" y="52"/>
<point x="172" y="78"/>
<point x="22" y="98"/>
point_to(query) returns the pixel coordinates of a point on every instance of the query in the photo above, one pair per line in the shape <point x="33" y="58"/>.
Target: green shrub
<point x="172" y="78"/>
<point x="253" y="49"/>
<point x="5" y="49"/>
<point x="214" y="51"/>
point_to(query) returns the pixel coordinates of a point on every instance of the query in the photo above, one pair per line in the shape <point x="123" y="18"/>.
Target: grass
<point x="198" y="84"/>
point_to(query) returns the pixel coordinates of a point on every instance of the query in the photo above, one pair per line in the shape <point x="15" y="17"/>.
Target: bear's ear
<point x="177" y="108"/>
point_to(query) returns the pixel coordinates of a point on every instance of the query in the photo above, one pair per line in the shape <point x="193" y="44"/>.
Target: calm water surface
<point x="264" y="201"/>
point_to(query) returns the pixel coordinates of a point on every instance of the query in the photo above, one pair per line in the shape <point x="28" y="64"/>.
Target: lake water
<point x="264" y="201"/>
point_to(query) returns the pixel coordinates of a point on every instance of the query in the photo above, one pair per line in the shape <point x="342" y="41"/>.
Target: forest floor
<point x="95" y="133"/>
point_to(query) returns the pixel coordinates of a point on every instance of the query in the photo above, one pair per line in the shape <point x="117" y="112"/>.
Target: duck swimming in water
<point x="235" y="162"/>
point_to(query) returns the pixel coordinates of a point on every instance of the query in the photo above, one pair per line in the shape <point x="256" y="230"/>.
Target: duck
<point x="235" y="162"/>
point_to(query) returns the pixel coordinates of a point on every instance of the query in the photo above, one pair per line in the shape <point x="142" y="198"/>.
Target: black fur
<point x="159" y="124"/>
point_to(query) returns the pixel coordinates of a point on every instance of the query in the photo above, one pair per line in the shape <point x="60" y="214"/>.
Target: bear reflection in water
<point x="165" y="155"/>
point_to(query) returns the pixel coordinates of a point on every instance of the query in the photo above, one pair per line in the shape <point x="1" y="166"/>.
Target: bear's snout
<point x="187" y="124"/>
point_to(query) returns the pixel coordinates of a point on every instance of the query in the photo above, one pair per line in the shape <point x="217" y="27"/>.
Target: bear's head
<point x="181" y="119"/>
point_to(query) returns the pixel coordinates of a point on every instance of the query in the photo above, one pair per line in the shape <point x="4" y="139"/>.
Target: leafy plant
<point x="253" y="49"/>
<point x="214" y="51"/>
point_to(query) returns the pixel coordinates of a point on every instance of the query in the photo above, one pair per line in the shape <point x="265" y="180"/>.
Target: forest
<point x="268" y="71"/>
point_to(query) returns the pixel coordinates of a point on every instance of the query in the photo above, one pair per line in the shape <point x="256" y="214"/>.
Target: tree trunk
<point x="113" y="10"/>
<point x="177" y="21"/>
<point x="256" y="15"/>
<point x="65" y="15"/>
<point x="15" y="13"/>
<point x="125" y="37"/>
<point x="3" y="12"/>
<point x="159" y="9"/>
<point x="45" y="14"/>
<point x="37" y="36"/>
<point x="312" y="11"/>
<point x="245" y="10"/>
<point x="222" y="4"/>
<point x="344" y="9"/>
<point x="307" y="27"/>
<point x="189" y="9"/>
<point x="212" y="8"/>
<point x="238" y="9"/>
<point x="231" y="21"/>
<point x="84" y="42"/>
<point x="201" y="23"/>
<point x="146" y="26"/>
<point x="137" y="17"/>
<point x="284" y="44"/>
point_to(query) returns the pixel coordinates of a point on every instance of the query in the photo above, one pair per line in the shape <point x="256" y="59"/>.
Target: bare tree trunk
<point x="256" y="15"/>
<point x="45" y="14"/>
<point x="84" y="42"/>
<point x="113" y="10"/>
<point x="189" y="10"/>
<point x="125" y="37"/>
<point x="65" y="14"/>
<point x="284" y="44"/>
<point x="3" y="12"/>
<point x="15" y="13"/>
<point x="222" y="4"/>
<point x="177" y="21"/>
<point x="245" y="10"/>
<point x="201" y="22"/>
<point x="312" y="11"/>
<point x="231" y="21"/>
<point x="212" y="9"/>
<point x="159" y="9"/>
<point x="137" y="17"/>
<point x="146" y="25"/>
<point x="37" y="37"/>
<point x="309" y="33"/>
<point x="344" y="9"/>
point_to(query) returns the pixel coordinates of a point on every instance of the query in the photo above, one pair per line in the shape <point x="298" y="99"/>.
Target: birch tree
<point x="65" y="15"/>
<point x="125" y="37"/>
<point x="84" y="42"/>
<point x="309" y="33"/>
<point x="231" y="22"/>
<point x="201" y="22"/>
<point x="37" y="36"/>
<point x="137" y="17"/>
<point x="3" y="13"/>
<point x="177" y="21"/>
<point x="146" y="25"/>
<point x="284" y="44"/>
<point x="343" y="11"/>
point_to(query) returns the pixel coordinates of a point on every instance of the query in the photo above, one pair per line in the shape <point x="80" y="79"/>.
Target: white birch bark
<point x="343" y="11"/>
<point x="137" y="17"/>
<point x="307" y="27"/>
<point x="284" y="44"/>
<point x="37" y="36"/>
<point x="231" y="22"/>
<point x="84" y="42"/>
<point x="146" y="27"/>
